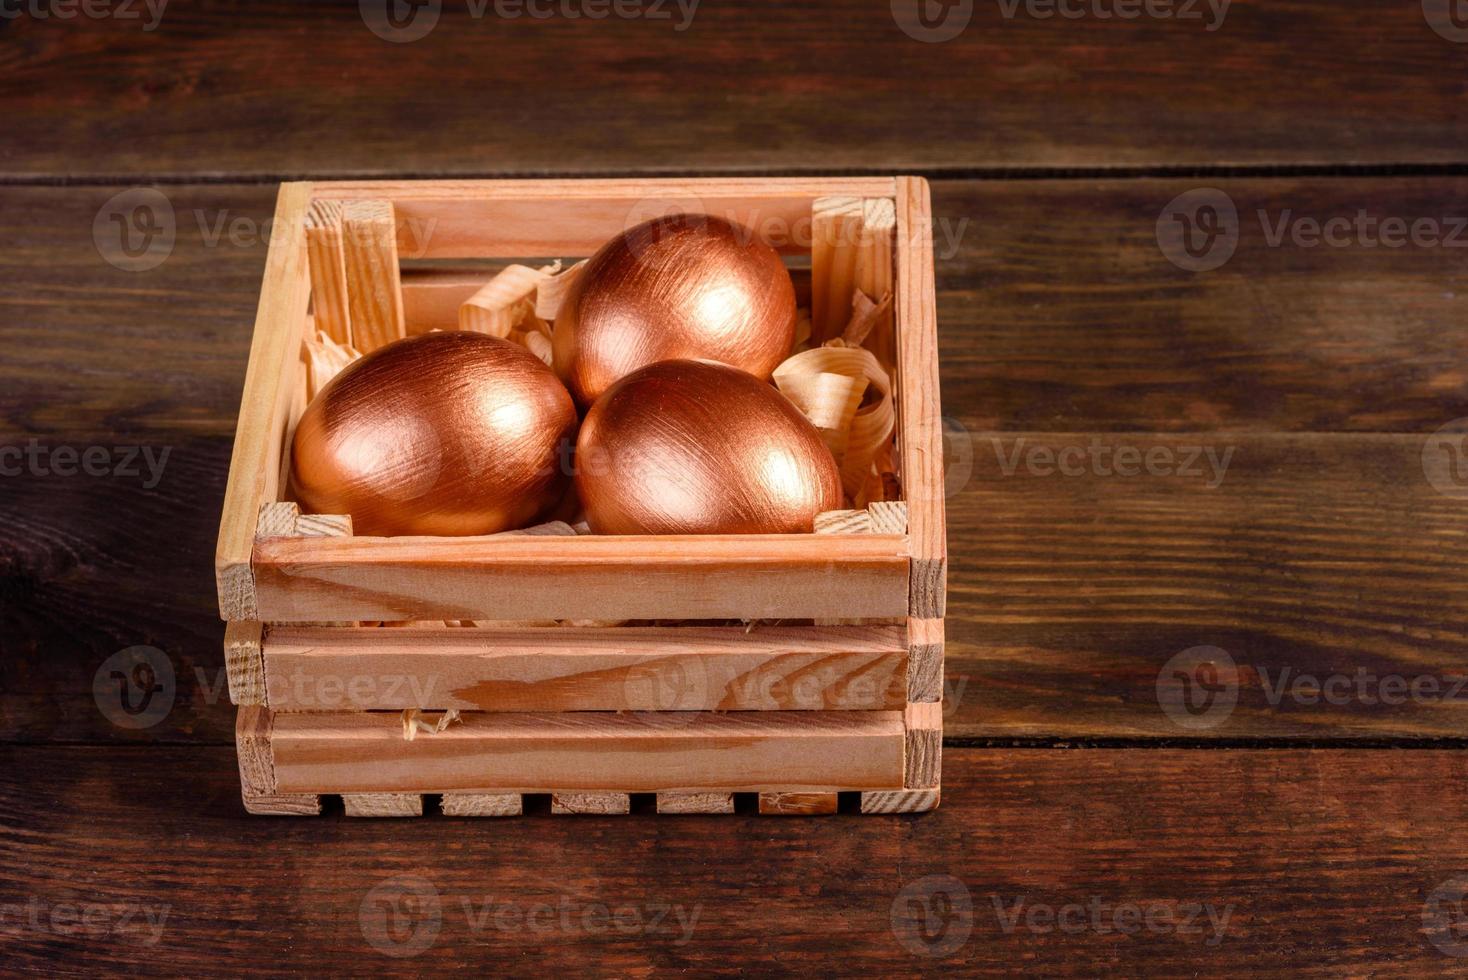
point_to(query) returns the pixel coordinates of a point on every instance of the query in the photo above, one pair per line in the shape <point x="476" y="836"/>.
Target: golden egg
<point x="694" y="447"/>
<point x="441" y="434"/>
<point x="685" y="286"/>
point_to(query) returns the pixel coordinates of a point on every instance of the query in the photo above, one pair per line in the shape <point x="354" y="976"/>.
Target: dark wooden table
<point x="1254" y="455"/>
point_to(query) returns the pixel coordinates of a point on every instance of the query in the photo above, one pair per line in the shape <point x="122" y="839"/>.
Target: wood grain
<point x="586" y="577"/>
<point x="326" y="251"/>
<point x="588" y="752"/>
<point x="573" y="217"/>
<point x="1080" y="323"/>
<point x="1073" y="324"/>
<point x="797" y="804"/>
<point x="719" y="803"/>
<point x="96" y="350"/>
<point x="1324" y="858"/>
<point x="373" y="274"/>
<point x="1315" y="556"/>
<point x="310" y="89"/>
<point x="264" y="408"/>
<point x="585" y="669"/>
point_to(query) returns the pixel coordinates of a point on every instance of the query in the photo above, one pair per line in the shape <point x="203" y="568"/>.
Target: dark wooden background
<point x="1054" y="144"/>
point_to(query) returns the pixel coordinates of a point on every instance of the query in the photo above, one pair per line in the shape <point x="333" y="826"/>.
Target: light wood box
<point x="791" y="708"/>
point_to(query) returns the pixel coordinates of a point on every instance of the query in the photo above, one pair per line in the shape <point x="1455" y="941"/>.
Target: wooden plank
<point x="259" y="789"/>
<point x="375" y="290"/>
<point x="432" y="297"/>
<point x="1354" y="837"/>
<point x="924" y="758"/>
<point x="843" y="522"/>
<point x="1307" y="559"/>
<point x="571" y="218"/>
<point x="383" y="804"/>
<point x="254" y="473"/>
<point x="594" y="804"/>
<point x="695" y="803"/>
<point x="835" y="242"/>
<point x="925" y="660"/>
<point x="244" y="662"/>
<point x="327" y="254"/>
<point x="919" y="417"/>
<point x="365" y="752"/>
<point x="588" y="577"/>
<point x="1075" y="325"/>
<point x="587" y="669"/>
<point x="1000" y="90"/>
<point x="900" y="801"/>
<point x="1085" y="325"/>
<point x="875" y="269"/>
<point x="797" y="804"/>
<point x="482" y="805"/>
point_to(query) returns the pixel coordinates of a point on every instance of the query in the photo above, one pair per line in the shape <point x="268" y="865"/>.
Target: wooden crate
<point x="797" y="667"/>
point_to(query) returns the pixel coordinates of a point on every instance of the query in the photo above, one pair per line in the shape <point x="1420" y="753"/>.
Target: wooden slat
<point x="925" y="659"/>
<point x="797" y="804"/>
<point x="900" y="801"/>
<point x="920" y="433"/>
<point x="254" y="470"/>
<point x="244" y="662"/>
<point x="1005" y="90"/>
<point x="326" y="250"/>
<point x="589" y="577"/>
<point x="695" y="803"/>
<point x="586" y="669"/>
<point x="924" y="757"/>
<point x="383" y="804"/>
<point x="362" y="752"/>
<point x="593" y="804"/>
<point x="571" y="218"/>
<point x="259" y="788"/>
<point x="482" y="804"/>
<point x="875" y="267"/>
<point x="1353" y="838"/>
<point x="374" y="284"/>
<point x="835" y="240"/>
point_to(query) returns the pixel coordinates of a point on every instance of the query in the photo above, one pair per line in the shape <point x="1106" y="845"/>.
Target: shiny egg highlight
<point x="442" y="434"/>
<point x="683" y="286"/>
<point x="694" y="447"/>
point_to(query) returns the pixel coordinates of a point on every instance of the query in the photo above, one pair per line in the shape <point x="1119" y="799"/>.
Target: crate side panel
<point x="765" y="668"/>
<point x="692" y="752"/>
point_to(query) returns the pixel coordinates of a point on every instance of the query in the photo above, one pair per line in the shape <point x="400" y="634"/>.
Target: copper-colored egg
<point x="694" y="447"/>
<point x="442" y="434"/>
<point x="684" y="286"/>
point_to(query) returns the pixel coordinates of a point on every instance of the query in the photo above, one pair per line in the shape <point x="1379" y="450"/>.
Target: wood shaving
<point x="414" y="723"/>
